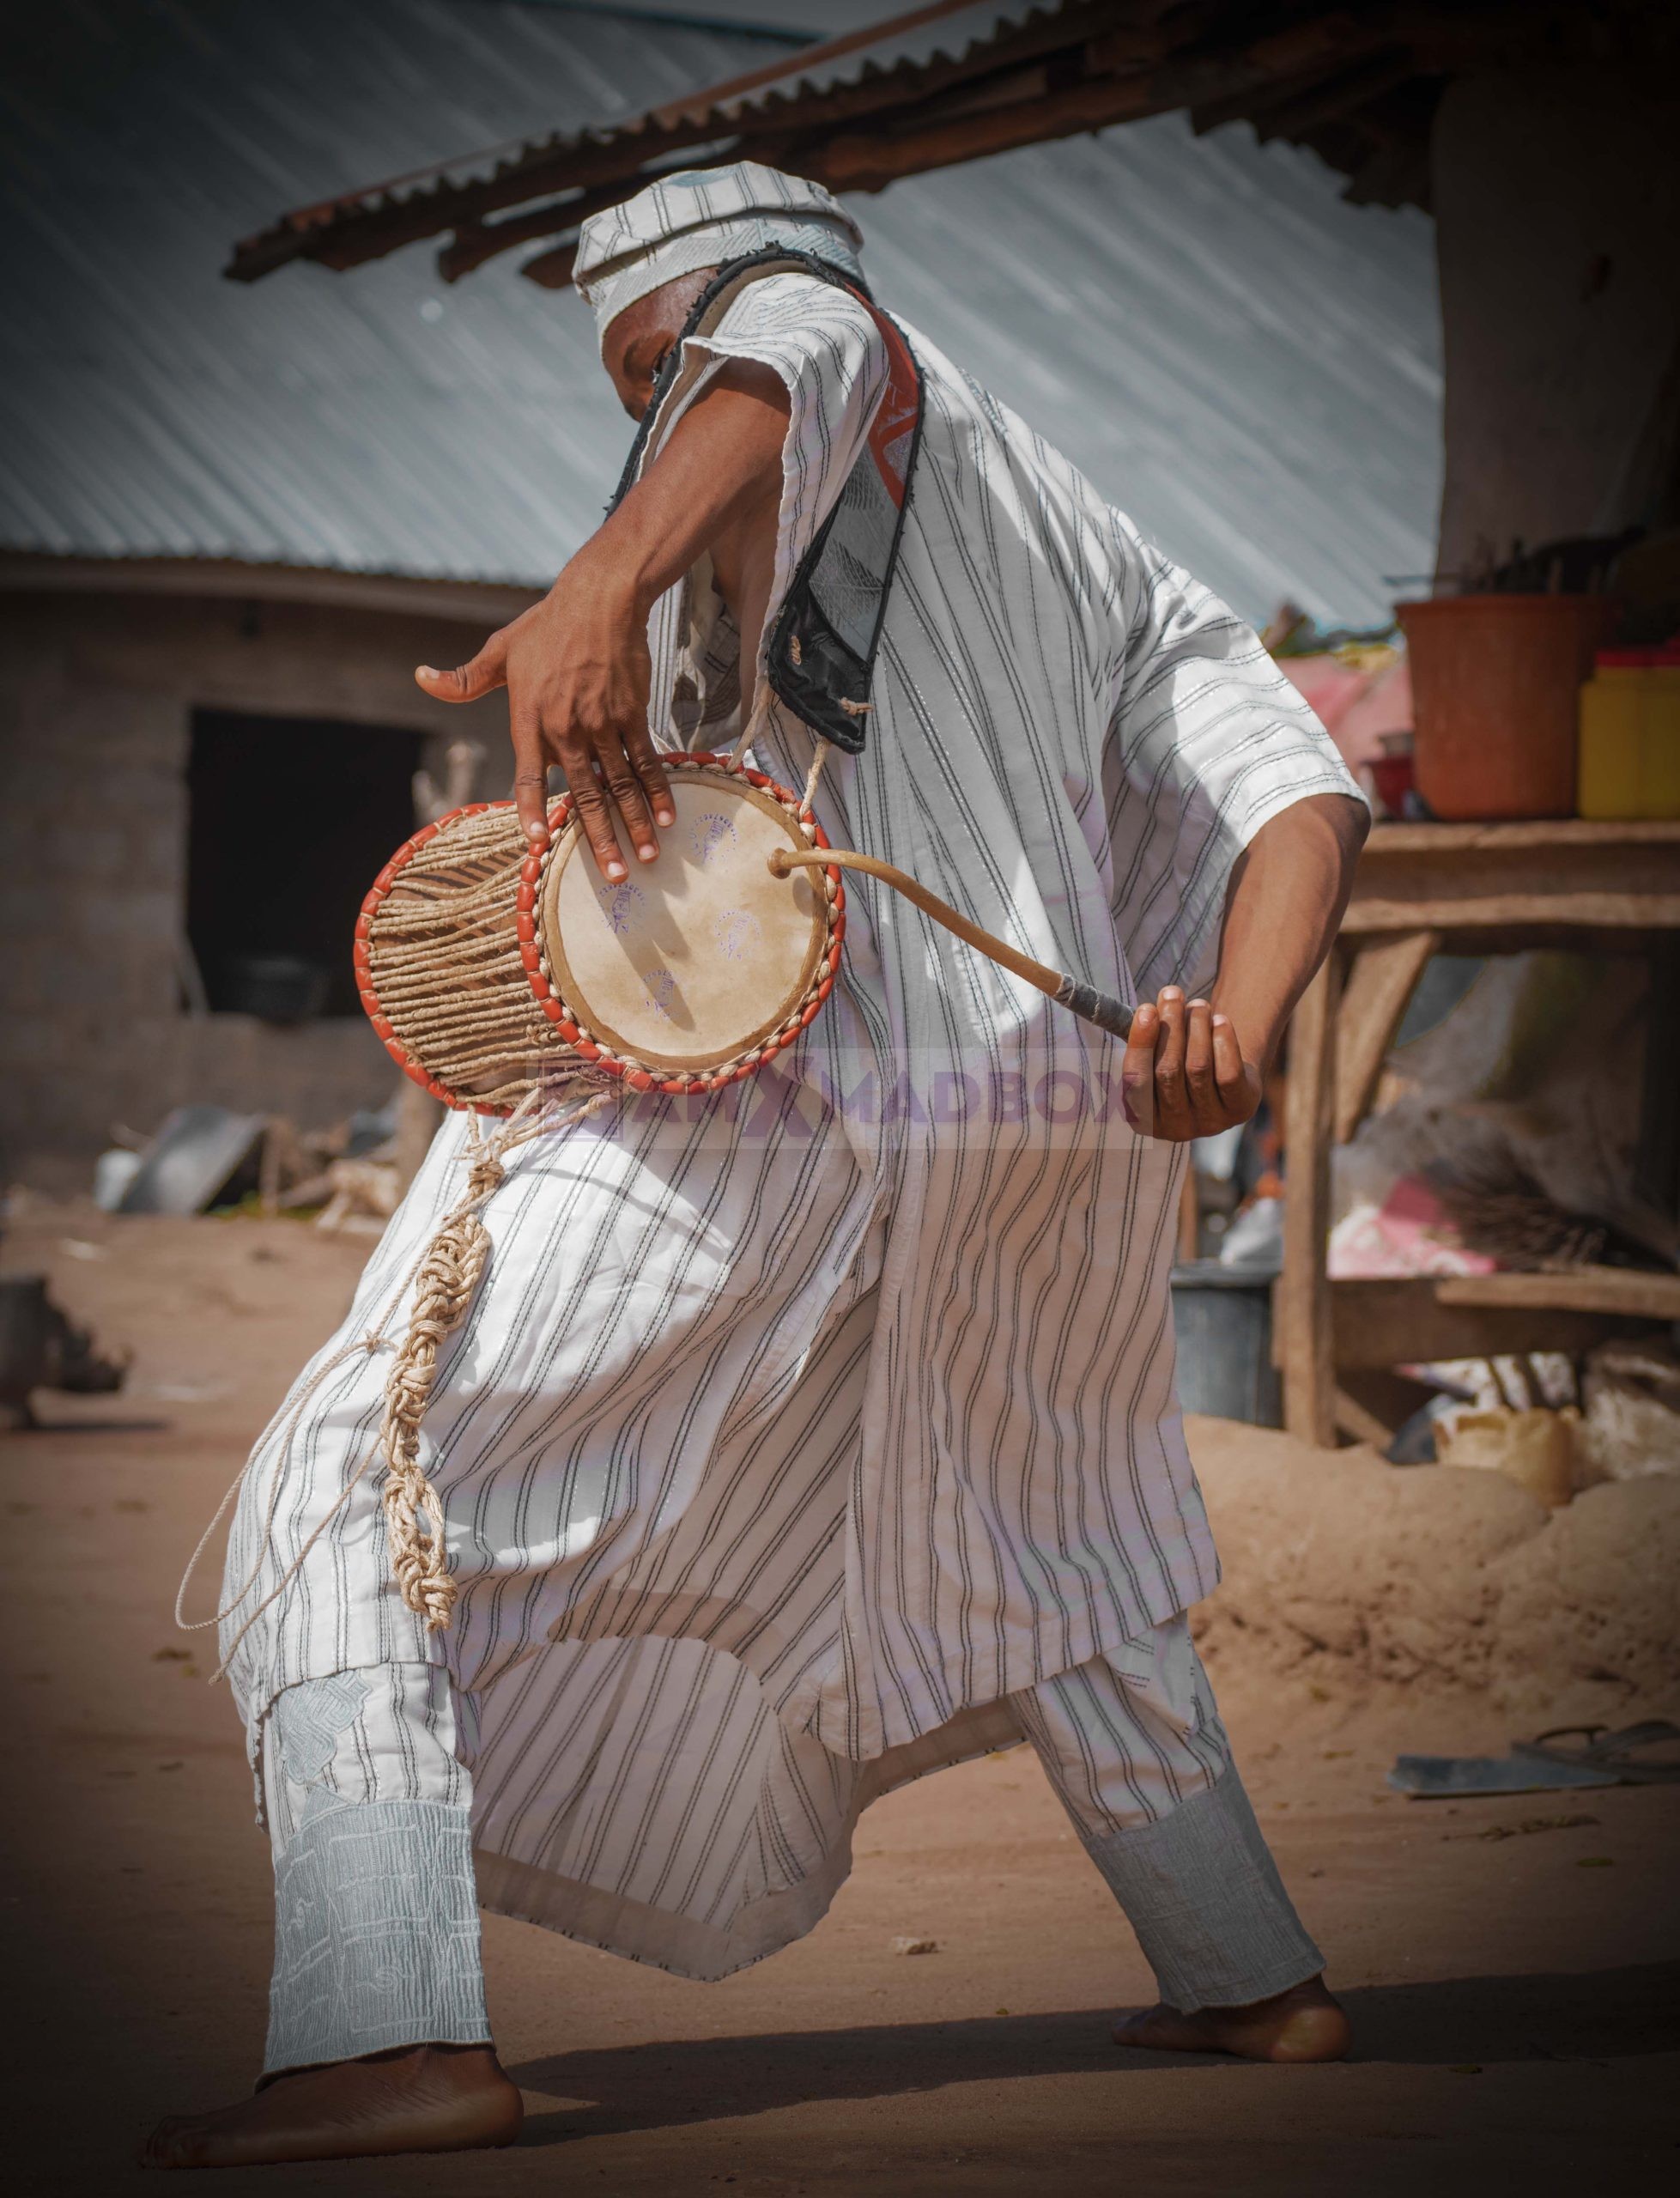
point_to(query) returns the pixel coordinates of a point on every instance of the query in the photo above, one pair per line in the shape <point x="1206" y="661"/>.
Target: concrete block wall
<point x="97" y="695"/>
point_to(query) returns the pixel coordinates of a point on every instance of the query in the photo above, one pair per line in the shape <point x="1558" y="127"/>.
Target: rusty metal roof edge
<point x="296" y="231"/>
<point x="46" y="572"/>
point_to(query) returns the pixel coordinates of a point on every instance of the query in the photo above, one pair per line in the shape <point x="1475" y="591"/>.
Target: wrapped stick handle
<point x="1081" y="1000"/>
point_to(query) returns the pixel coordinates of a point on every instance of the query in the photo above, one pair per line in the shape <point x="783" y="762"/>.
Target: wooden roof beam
<point x="551" y="270"/>
<point x="340" y="236"/>
<point x="1292" y="109"/>
<point x="476" y="243"/>
<point x="849" y="160"/>
<point x="345" y="232"/>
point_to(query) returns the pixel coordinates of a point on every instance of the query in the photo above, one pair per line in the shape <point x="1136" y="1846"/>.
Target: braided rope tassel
<point x="449" y="1274"/>
<point x="447" y="1277"/>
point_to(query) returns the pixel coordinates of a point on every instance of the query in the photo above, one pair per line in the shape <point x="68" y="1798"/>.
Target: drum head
<point x="694" y="961"/>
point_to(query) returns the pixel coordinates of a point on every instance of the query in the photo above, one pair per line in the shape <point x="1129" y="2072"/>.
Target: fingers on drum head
<point x="488" y="965"/>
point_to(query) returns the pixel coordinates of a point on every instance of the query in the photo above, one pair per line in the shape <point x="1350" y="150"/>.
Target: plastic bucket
<point x="1495" y="682"/>
<point x="1221" y="1317"/>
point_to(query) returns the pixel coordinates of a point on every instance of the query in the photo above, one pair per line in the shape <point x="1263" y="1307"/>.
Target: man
<point x="802" y="1442"/>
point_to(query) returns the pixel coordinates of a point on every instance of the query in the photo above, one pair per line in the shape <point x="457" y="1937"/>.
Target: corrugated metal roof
<point x="1240" y="360"/>
<point x="380" y="424"/>
<point x="349" y="228"/>
<point x="949" y="82"/>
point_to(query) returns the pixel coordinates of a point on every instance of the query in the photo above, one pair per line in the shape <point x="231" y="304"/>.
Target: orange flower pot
<point x="1494" y="682"/>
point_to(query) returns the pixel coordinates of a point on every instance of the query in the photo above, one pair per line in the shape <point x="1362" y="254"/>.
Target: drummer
<point x="802" y="1441"/>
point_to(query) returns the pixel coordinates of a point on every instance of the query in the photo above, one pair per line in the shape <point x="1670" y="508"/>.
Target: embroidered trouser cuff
<point x="376" y="1936"/>
<point x="376" y="1941"/>
<point x="1201" y="1891"/>
<point x="1133" y="1745"/>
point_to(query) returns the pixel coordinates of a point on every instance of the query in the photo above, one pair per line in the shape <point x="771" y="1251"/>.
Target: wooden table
<point x="1459" y="889"/>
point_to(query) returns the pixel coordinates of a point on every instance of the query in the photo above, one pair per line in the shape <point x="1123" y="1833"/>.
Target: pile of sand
<point x="1359" y="1572"/>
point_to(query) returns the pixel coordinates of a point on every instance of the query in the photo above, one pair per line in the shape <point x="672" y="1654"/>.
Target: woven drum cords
<point x="572" y="1032"/>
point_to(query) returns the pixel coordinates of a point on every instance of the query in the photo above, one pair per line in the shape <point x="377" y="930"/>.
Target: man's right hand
<point x="576" y="665"/>
<point x="577" y="673"/>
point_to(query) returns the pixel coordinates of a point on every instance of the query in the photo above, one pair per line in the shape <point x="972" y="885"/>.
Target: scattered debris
<point x="914" y="1946"/>
<point x="1426" y="1777"/>
<point x="1535" y="1448"/>
<point x="1528" y="1824"/>
<point x="195" y="1161"/>
<point x="1630" y="1425"/>
<point x="364" y="1194"/>
<point x="1540" y="1766"/>
<point x="209" y="1159"/>
<point x="114" y="1171"/>
<point x="42" y="1348"/>
<point x="1624" y="1752"/>
<point x="461" y="763"/>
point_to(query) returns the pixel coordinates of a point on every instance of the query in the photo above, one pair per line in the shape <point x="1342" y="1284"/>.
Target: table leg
<point x="1190" y="1217"/>
<point x="1379" y="982"/>
<point x="1303" y="1298"/>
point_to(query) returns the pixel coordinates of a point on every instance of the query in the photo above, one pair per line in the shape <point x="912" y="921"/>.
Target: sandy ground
<point x="1519" y="2026"/>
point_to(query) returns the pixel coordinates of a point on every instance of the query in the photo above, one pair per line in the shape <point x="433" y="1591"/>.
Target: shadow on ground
<point x="1482" y="2021"/>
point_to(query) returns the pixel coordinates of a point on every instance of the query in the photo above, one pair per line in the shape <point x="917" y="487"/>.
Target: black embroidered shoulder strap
<point x="822" y="647"/>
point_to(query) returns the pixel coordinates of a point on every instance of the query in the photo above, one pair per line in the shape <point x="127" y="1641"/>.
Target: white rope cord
<point x="815" y="773"/>
<point x="445" y="1275"/>
<point x="757" y="719"/>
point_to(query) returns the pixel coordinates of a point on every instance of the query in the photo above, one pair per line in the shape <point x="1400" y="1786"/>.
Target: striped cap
<point x="700" y="217"/>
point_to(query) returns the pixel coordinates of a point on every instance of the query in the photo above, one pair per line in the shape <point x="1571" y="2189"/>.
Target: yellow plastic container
<point x="1630" y="752"/>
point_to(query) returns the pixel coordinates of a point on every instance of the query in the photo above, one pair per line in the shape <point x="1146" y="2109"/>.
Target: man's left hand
<point x="1185" y="1073"/>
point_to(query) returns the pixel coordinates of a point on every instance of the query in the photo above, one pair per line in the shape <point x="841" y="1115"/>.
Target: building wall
<point x="1558" y="209"/>
<point x="97" y="694"/>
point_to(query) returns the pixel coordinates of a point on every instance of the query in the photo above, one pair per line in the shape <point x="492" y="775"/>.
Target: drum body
<point x="487" y="970"/>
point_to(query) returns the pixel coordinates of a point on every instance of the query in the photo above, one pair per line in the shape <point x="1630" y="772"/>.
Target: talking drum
<point x="504" y="980"/>
<point x="491" y="971"/>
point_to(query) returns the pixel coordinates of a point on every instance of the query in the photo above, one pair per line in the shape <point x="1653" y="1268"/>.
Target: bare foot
<point x="427" y="2098"/>
<point x="1303" y="2024"/>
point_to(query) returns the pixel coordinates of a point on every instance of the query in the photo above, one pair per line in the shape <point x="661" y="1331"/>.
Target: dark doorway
<point x="290" y="821"/>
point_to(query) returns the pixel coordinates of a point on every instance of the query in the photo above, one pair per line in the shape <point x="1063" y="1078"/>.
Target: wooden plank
<point x="1401" y="1321"/>
<point x="1352" y="1418"/>
<point x="1657" y="1160"/>
<point x="1627" y="1291"/>
<point x="1302" y="1296"/>
<point x="1190" y="1217"/>
<point x="1369" y="912"/>
<point x="1550" y="833"/>
<point x="1379" y="986"/>
<point x="1563" y="876"/>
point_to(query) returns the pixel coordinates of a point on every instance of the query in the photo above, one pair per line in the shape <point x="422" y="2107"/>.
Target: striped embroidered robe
<point x="794" y="1430"/>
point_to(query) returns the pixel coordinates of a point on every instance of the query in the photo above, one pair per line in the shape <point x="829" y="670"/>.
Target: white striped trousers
<point x="368" y="1802"/>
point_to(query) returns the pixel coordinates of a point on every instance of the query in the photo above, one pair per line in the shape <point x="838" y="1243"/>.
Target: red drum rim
<point x="573" y="1035"/>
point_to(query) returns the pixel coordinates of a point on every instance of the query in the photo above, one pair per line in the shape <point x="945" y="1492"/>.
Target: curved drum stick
<point x="1085" y="1000"/>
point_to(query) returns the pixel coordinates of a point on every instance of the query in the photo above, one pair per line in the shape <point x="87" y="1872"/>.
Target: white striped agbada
<point x="794" y="1431"/>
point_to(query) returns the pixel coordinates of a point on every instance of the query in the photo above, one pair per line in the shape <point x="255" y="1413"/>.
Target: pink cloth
<point x="1356" y="706"/>
<point x="1409" y="1233"/>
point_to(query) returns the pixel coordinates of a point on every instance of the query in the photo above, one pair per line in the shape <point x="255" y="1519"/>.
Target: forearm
<point x="576" y="665"/>
<point x="1287" y="897"/>
<point x="719" y="473"/>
